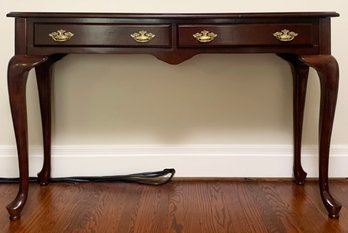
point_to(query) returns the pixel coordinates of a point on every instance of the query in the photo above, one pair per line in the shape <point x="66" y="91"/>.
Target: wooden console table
<point x="302" y="39"/>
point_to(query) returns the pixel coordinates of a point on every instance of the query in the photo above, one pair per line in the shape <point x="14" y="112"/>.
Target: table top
<point x="171" y="15"/>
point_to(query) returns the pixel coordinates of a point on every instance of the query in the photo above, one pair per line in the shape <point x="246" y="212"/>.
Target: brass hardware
<point x="142" y="36"/>
<point x="61" y="35"/>
<point x="204" y="36"/>
<point x="285" y="35"/>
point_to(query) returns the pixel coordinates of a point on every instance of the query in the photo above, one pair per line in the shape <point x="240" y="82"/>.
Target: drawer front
<point x="247" y="34"/>
<point x="113" y="35"/>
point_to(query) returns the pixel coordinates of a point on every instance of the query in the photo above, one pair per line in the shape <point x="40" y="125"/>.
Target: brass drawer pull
<point x="285" y="35"/>
<point x="142" y="36"/>
<point x="61" y="35"/>
<point x="205" y="36"/>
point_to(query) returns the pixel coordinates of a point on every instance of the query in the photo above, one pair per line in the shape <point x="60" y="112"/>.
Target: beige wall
<point x="210" y="99"/>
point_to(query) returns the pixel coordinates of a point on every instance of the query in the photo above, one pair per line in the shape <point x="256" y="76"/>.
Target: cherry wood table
<point x="302" y="39"/>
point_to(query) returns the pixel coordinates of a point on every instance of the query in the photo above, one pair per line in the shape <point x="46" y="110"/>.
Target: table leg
<point x="300" y="77"/>
<point x="18" y="69"/>
<point x="327" y="69"/>
<point x="44" y="77"/>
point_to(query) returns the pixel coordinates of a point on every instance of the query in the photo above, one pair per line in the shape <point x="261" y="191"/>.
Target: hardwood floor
<point x="178" y="207"/>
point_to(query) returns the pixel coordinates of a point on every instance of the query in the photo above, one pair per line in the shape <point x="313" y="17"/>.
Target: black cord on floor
<point x="148" y="178"/>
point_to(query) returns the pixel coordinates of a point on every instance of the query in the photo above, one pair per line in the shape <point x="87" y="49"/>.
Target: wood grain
<point x="187" y="206"/>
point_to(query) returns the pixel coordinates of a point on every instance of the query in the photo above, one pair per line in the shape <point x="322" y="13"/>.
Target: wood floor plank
<point x="220" y="206"/>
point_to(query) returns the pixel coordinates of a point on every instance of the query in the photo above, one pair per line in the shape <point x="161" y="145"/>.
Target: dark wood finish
<point x="43" y="76"/>
<point x="20" y="29"/>
<point x="327" y="68"/>
<point x="173" y="15"/>
<point x="325" y="41"/>
<point x="248" y="34"/>
<point x="174" y="43"/>
<point x="300" y="78"/>
<point x="102" y="35"/>
<point x="178" y="207"/>
<point x="18" y="70"/>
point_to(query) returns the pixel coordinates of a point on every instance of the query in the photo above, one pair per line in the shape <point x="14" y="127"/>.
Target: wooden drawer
<point x="109" y="35"/>
<point x="247" y="35"/>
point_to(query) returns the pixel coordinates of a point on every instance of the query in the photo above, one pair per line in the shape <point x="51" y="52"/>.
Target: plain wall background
<point x="208" y="100"/>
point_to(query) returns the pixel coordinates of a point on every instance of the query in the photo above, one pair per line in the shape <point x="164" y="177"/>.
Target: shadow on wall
<point x="135" y="99"/>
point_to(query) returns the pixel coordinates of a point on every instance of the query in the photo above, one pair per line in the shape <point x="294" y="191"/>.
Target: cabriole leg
<point x="327" y="69"/>
<point x="18" y="69"/>
<point x="300" y="78"/>
<point x="44" y="77"/>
